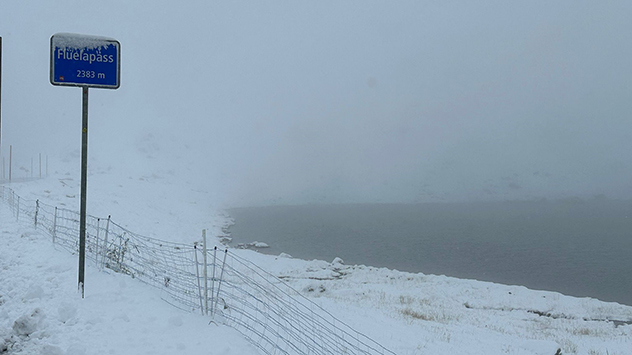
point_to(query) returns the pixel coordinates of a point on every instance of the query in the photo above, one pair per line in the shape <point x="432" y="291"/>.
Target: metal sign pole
<point x="1" y="101"/>
<point x="84" y="61"/>
<point x="84" y="183"/>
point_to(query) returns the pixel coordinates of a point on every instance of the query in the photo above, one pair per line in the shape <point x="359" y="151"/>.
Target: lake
<point x="579" y="248"/>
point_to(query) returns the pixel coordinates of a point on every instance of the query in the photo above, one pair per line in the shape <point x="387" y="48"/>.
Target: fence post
<point x="197" y="274"/>
<point x="204" y="271"/>
<point x="55" y="225"/>
<point x="36" y="212"/>
<point x="96" y="251"/>
<point x="213" y="279"/>
<point x="221" y="276"/>
<point x="105" y="241"/>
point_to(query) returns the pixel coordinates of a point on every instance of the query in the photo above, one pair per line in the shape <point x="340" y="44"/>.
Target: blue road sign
<point x="87" y="61"/>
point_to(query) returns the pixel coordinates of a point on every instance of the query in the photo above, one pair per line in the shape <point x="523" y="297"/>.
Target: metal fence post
<point x="54" y="225"/>
<point x="197" y="274"/>
<point x="204" y="271"/>
<point x="221" y="276"/>
<point x="105" y="241"/>
<point x="213" y="279"/>
<point x="36" y="212"/>
<point x="96" y="251"/>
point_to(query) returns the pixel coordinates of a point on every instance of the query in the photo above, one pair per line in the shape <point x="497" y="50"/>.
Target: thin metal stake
<point x="105" y="241"/>
<point x="205" y="272"/>
<point x="96" y="256"/>
<point x="221" y="276"/>
<point x="213" y="279"/>
<point x="197" y="273"/>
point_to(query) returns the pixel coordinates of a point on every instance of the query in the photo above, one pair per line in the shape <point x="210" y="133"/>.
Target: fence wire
<point x="269" y="313"/>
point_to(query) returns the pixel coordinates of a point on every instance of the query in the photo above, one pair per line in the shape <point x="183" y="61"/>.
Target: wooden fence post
<point x="36" y="212"/>
<point x="54" y="225"/>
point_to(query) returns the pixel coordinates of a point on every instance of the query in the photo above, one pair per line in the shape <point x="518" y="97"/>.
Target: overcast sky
<point x="339" y="101"/>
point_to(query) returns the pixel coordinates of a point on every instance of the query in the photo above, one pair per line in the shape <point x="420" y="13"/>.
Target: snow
<point x="236" y="123"/>
<point x="252" y="245"/>
<point x="41" y="311"/>
<point x="76" y="41"/>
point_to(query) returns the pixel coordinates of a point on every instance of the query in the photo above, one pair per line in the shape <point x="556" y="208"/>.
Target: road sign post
<point x="1" y="104"/>
<point x="85" y="62"/>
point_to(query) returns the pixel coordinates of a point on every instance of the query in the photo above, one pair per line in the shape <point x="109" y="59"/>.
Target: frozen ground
<point x="41" y="312"/>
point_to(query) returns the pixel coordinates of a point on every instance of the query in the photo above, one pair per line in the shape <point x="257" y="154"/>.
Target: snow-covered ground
<point x="315" y="101"/>
<point x="42" y="313"/>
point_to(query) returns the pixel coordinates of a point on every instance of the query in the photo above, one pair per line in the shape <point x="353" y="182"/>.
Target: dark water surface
<point x="579" y="248"/>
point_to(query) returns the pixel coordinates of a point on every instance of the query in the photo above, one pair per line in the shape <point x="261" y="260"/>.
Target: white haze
<point x="338" y="101"/>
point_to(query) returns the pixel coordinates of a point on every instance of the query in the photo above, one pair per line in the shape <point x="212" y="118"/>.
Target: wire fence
<point x="230" y="289"/>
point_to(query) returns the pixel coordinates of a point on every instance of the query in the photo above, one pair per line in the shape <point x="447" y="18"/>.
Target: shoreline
<point x="498" y="259"/>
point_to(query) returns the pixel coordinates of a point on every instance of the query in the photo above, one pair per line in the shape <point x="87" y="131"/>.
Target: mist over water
<point x="579" y="248"/>
<point x="358" y="101"/>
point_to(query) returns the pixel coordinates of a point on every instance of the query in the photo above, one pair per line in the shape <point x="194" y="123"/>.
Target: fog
<point x="293" y="102"/>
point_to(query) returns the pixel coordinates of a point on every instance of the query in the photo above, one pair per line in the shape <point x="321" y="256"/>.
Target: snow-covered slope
<point x="408" y="313"/>
<point x="41" y="311"/>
